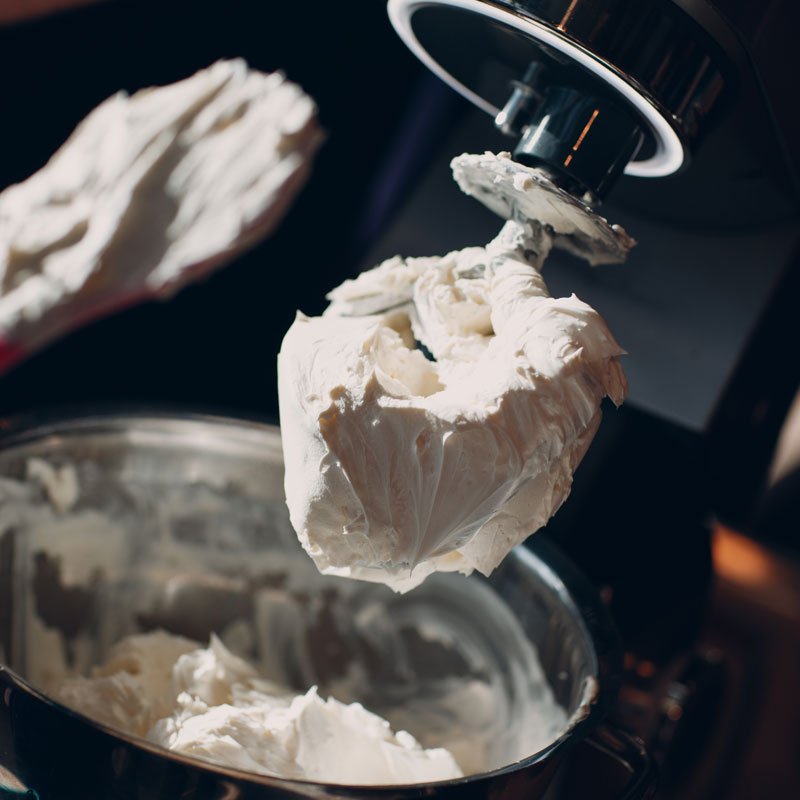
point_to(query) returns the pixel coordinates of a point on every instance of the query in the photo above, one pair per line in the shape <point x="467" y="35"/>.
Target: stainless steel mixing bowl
<point x="180" y="524"/>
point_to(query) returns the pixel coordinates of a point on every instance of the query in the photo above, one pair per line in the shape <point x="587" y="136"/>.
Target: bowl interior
<point x="116" y="525"/>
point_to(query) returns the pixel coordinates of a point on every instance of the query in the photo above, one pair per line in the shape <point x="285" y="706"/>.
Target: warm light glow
<point x="589" y="124"/>
<point x="768" y="580"/>
<point x="674" y="712"/>
<point x="740" y="559"/>
<point x="646" y="669"/>
<point x="567" y="14"/>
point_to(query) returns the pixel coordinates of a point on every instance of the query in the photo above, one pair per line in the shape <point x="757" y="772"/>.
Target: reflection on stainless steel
<point x="640" y="66"/>
<point x="181" y="525"/>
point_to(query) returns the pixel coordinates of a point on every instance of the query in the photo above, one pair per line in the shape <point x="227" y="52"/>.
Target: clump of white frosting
<point x="516" y="191"/>
<point x="150" y="192"/>
<point x="210" y="704"/>
<point x="398" y="466"/>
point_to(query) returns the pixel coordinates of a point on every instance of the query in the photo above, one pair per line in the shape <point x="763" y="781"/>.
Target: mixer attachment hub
<point x="581" y="138"/>
<point x="596" y="89"/>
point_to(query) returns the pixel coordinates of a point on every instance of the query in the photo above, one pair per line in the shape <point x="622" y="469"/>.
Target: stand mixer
<point x="590" y="89"/>
<point x="695" y="97"/>
<point x="584" y="105"/>
<point x="601" y="95"/>
<point x="699" y="91"/>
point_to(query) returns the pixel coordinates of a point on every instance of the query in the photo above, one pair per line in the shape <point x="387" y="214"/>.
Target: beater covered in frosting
<point x="398" y="466"/>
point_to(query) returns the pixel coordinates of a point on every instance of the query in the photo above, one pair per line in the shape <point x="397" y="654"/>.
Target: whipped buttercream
<point x="210" y="704"/>
<point x="398" y="466"/>
<point x="150" y="192"/>
<point x="516" y="191"/>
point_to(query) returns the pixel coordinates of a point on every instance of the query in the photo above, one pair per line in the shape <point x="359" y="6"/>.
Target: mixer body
<point x="592" y="88"/>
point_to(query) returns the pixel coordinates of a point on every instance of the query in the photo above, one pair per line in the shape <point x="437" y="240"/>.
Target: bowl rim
<point x="562" y="576"/>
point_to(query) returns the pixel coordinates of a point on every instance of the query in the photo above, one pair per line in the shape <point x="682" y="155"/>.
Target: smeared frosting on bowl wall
<point x="105" y="560"/>
<point x="398" y="466"/>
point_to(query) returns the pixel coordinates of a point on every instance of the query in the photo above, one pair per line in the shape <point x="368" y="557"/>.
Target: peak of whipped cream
<point x="398" y="466"/>
<point x="208" y="703"/>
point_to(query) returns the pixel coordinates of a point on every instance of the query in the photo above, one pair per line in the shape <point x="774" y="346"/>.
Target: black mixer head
<point x="589" y="88"/>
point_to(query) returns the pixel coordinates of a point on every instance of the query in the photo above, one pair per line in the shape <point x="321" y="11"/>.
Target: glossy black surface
<point x="654" y="46"/>
<point x="583" y="140"/>
<point x="609" y="765"/>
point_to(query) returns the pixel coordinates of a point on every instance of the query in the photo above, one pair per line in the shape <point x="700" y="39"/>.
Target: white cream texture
<point x="397" y="466"/>
<point x="150" y="192"/>
<point x="209" y="704"/>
